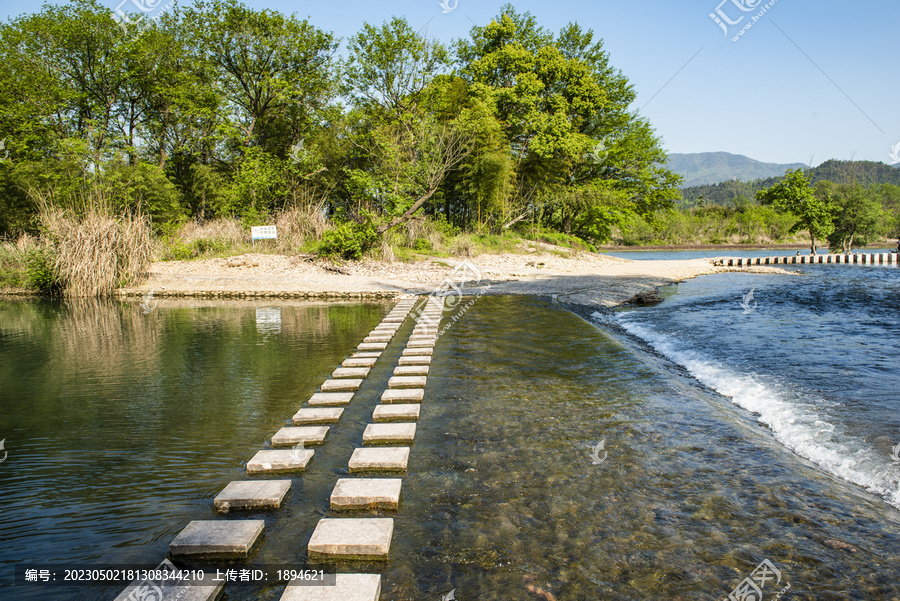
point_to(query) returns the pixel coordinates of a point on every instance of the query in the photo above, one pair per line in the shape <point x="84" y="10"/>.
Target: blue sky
<point x="807" y="82"/>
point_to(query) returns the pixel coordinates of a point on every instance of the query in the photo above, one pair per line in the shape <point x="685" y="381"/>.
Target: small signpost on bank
<point x="263" y="232"/>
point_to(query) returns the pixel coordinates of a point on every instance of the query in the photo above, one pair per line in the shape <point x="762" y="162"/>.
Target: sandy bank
<point x="578" y="278"/>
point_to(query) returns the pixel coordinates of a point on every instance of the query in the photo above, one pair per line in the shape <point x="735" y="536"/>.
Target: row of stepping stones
<point x="370" y="538"/>
<point x="236" y="538"/>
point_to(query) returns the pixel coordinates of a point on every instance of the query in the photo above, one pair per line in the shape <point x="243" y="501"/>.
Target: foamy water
<point x="802" y="425"/>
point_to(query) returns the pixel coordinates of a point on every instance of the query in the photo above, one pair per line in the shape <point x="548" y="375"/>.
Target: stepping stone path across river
<point x="334" y="538"/>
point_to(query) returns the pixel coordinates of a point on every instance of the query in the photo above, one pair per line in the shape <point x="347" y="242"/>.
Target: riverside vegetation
<point x="171" y="140"/>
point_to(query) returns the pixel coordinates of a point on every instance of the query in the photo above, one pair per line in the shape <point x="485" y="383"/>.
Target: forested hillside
<point x="219" y="110"/>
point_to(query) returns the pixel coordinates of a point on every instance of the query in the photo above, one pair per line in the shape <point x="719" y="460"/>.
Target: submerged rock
<point x="646" y="298"/>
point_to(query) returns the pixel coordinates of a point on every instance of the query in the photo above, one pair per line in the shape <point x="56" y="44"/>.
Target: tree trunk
<point x="812" y="244"/>
<point x="409" y="213"/>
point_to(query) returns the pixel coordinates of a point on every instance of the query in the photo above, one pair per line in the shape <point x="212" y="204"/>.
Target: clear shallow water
<point x="503" y="499"/>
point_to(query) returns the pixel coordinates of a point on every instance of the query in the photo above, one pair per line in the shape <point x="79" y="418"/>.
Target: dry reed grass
<point x="300" y="224"/>
<point x="96" y="251"/>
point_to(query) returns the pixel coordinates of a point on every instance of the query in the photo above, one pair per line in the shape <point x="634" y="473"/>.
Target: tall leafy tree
<point x="795" y="195"/>
<point x="562" y="106"/>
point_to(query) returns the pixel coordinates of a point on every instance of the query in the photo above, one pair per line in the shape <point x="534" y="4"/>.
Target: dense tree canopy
<point x="219" y="109"/>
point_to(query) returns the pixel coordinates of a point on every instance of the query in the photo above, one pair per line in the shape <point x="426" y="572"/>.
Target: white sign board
<point x="264" y="232"/>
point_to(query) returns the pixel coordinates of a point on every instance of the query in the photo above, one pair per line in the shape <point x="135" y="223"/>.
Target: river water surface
<point x="122" y="426"/>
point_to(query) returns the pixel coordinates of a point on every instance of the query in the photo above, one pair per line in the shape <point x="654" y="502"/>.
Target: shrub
<point x="349" y="239"/>
<point x="41" y="271"/>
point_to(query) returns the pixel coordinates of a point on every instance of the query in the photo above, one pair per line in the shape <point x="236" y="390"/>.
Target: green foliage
<point x="856" y="216"/>
<point x="41" y="271"/>
<point x="350" y="239"/>
<point x="795" y="195"/>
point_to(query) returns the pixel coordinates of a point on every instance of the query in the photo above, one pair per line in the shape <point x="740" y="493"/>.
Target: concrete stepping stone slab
<point x="252" y="494"/>
<point x="351" y="538"/>
<point x="290" y="436"/>
<point x="366" y="493"/>
<point x="389" y="433"/>
<point x="420" y="344"/>
<point x="359" y="362"/>
<point x="347" y="587"/>
<point x="220" y="539"/>
<point x="350" y="372"/>
<point x="164" y="589"/>
<point x="330" y="399"/>
<point x="341" y="385"/>
<point x="378" y="338"/>
<point x="385" y="329"/>
<point x="402" y="395"/>
<point x="423" y="337"/>
<point x="317" y="415"/>
<point x="411" y="370"/>
<point x="379" y="459"/>
<point x="420" y="360"/>
<point x="367" y="355"/>
<point x="407" y="382"/>
<point x="396" y="413"/>
<point x="372" y="346"/>
<point x="418" y="352"/>
<point x="279" y="461"/>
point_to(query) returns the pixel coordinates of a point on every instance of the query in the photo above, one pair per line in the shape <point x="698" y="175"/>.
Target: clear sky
<point x="809" y="81"/>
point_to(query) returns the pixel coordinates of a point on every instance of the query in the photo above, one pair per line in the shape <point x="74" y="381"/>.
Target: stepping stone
<point x="407" y="382"/>
<point x="423" y="338"/>
<point x="417" y="352"/>
<point x="350" y="372"/>
<point x="294" y="435"/>
<point x="403" y="395"/>
<point x="378" y="338"/>
<point x="330" y="399"/>
<point x="359" y="362"/>
<point x="389" y="433"/>
<point x="252" y="494"/>
<point x="277" y="462"/>
<point x="411" y="370"/>
<point x="183" y="589"/>
<point x="379" y="459"/>
<point x="385" y="329"/>
<point x="420" y="360"/>
<point x="396" y="413"/>
<point x="367" y="355"/>
<point x="340" y="385"/>
<point x="347" y="587"/>
<point x="220" y="539"/>
<point x="366" y="493"/>
<point x="394" y="319"/>
<point x="420" y="344"/>
<point x="372" y="346"/>
<point x="351" y="538"/>
<point x="311" y="415"/>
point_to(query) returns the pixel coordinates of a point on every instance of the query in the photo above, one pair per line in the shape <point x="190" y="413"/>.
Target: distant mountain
<point x="713" y="167"/>
<point x="731" y="193"/>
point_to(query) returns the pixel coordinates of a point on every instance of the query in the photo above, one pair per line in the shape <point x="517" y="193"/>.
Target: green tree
<point x="856" y="216"/>
<point x="795" y="195"/>
<point x="565" y="116"/>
